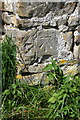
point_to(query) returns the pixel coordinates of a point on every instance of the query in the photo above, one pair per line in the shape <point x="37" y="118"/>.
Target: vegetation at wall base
<point x="8" y="62"/>
<point x="58" y="100"/>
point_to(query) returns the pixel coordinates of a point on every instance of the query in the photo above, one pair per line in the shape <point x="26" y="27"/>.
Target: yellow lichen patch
<point x="19" y="76"/>
<point x="72" y="18"/>
<point x="33" y="83"/>
<point x="69" y="71"/>
<point x="62" y="61"/>
<point x="72" y="70"/>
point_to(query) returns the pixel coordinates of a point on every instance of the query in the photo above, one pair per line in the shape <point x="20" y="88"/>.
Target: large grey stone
<point x="47" y="43"/>
<point x="40" y="45"/>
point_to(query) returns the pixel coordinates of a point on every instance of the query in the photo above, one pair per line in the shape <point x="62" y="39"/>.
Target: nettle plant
<point x="65" y="100"/>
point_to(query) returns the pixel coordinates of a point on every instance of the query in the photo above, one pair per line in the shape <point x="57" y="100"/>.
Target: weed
<point x="8" y="62"/>
<point x="65" y="101"/>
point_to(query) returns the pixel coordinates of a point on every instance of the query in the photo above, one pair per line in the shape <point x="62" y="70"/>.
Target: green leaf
<point x="14" y="86"/>
<point x="48" y="67"/>
<point x="55" y="67"/>
<point x="14" y="91"/>
<point x="53" y="61"/>
<point x="52" y="100"/>
<point x="14" y="103"/>
<point x="7" y="92"/>
<point x="50" y="76"/>
<point x="19" y="93"/>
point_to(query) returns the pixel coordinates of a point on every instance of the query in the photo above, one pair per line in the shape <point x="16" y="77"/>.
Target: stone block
<point x="71" y="70"/>
<point x="47" y="43"/>
<point x="29" y="10"/>
<point x="76" y="51"/>
<point x="40" y="45"/>
<point x="77" y="37"/>
<point x="63" y="28"/>
<point x="8" y="6"/>
<point x="74" y="18"/>
<point x="64" y="45"/>
<point x="63" y="19"/>
<point x="23" y="23"/>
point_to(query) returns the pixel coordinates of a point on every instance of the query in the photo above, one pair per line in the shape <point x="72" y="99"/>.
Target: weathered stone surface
<point x="77" y="37"/>
<point x="37" y="68"/>
<point x="43" y="30"/>
<point x="34" y="9"/>
<point x="74" y="18"/>
<point x="78" y="28"/>
<point x="15" y="32"/>
<point x="35" y="79"/>
<point x="9" y="18"/>
<point x="47" y="43"/>
<point x="39" y="45"/>
<point x="71" y="70"/>
<point x="1" y="5"/>
<point x="53" y="22"/>
<point x="63" y="28"/>
<point x="65" y="43"/>
<point x="67" y="8"/>
<point x="70" y="67"/>
<point x="63" y="19"/>
<point x="35" y="21"/>
<point x="76" y="51"/>
<point x="8" y="6"/>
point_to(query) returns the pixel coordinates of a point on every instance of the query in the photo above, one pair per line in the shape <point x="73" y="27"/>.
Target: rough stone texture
<point x="42" y="30"/>
<point x="39" y="9"/>
<point x="74" y="18"/>
<point x="65" y="43"/>
<point x="71" y="70"/>
<point x="7" y="6"/>
<point x="77" y="51"/>
<point x="47" y="43"/>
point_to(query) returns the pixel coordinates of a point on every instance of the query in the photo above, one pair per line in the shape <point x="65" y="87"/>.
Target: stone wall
<point x="42" y="30"/>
